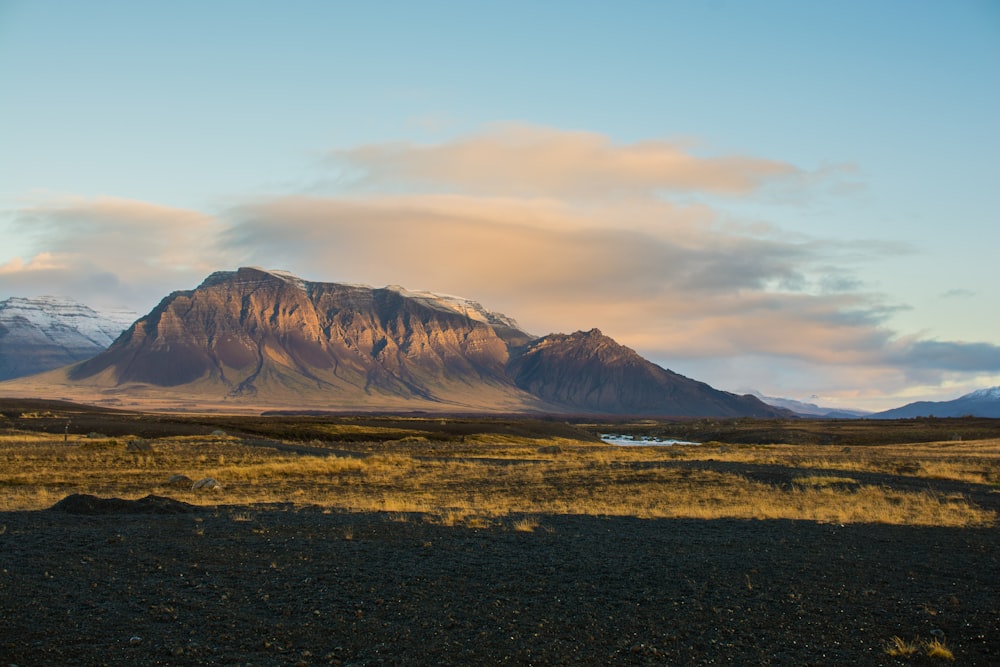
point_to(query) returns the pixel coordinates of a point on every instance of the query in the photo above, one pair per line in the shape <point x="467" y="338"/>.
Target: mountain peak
<point x="252" y="274"/>
<point x="991" y="393"/>
<point x="590" y="372"/>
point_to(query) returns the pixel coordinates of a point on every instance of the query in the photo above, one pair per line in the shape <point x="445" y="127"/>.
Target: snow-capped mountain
<point x="46" y="332"/>
<point x="980" y="403"/>
<point x="991" y="394"/>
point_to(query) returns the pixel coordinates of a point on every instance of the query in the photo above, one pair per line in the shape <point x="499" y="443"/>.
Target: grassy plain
<point x="494" y="470"/>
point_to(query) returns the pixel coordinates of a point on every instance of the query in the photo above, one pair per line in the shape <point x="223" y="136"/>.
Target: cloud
<point x="957" y="293"/>
<point x="945" y="355"/>
<point x="697" y="292"/>
<point x="519" y="247"/>
<point x="524" y="160"/>
<point x="109" y="251"/>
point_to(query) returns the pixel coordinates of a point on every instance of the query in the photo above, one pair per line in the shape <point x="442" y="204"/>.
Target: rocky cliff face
<point x="40" y="334"/>
<point x="590" y="372"/>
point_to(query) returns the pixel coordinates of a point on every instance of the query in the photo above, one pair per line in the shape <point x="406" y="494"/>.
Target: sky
<point x="794" y="198"/>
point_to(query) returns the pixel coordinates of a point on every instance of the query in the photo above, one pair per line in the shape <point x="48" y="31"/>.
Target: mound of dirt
<point x="83" y="503"/>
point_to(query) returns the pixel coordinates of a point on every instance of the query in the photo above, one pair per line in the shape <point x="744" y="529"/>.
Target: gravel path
<point x="166" y="584"/>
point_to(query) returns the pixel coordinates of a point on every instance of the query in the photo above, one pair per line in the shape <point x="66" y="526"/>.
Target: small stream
<point x="643" y="441"/>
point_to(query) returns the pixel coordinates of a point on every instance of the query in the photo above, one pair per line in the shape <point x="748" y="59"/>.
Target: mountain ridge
<point x="261" y="338"/>
<point x="979" y="403"/>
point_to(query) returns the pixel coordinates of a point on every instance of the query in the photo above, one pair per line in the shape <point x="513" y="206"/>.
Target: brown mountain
<point x="263" y="337"/>
<point x="589" y="372"/>
<point x="256" y="339"/>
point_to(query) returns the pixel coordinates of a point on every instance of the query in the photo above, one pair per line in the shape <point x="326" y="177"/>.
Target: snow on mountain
<point x="980" y="403"/>
<point x="46" y="332"/>
<point x="64" y="321"/>
<point x="466" y="307"/>
<point x="993" y="393"/>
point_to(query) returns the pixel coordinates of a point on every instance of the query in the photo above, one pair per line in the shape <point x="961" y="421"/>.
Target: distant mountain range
<point x="982" y="403"/>
<point x="259" y="339"/>
<point x="811" y="409"/>
<point x="48" y="332"/>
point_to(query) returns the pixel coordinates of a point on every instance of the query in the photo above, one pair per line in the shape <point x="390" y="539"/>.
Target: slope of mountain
<point x="810" y="409"/>
<point x="267" y="339"/>
<point x="590" y="372"/>
<point x="981" y="403"/>
<point x="48" y="332"/>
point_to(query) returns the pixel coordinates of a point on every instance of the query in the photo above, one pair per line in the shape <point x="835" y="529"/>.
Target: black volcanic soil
<point x="161" y="583"/>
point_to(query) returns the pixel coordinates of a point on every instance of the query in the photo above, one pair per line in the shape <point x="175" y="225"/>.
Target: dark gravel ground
<point x="164" y="584"/>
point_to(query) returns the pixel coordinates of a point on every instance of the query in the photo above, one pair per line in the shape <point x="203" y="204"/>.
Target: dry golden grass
<point x="476" y="482"/>
<point x="937" y="649"/>
<point x="965" y="461"/>
<point x="900" y="648"/>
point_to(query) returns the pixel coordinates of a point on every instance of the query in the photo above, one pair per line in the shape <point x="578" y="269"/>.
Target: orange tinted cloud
<point x="110" y="251"/>
<point x="523" y="160"/>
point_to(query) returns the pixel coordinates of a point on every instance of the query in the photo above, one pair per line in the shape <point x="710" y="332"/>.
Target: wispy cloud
<point x="525" y="160"/>
<point x="957" y="293"/>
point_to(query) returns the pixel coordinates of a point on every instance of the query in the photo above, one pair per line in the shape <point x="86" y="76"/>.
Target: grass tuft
<point x="937" y="649"/>
<point x="900" y="648"/>
<point x="527" y="524"/>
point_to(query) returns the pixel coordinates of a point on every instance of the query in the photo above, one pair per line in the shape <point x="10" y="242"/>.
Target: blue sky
<point x="792" y="197"/>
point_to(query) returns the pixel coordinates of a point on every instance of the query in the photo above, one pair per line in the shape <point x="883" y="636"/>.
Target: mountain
<point x="47" y="332"/>
<point x="981" y="403"/>
<point x="267" y="337"/>
<point x="590" y="372"/>
<point x="804" y="409"/>
<point x="259" y="339"/>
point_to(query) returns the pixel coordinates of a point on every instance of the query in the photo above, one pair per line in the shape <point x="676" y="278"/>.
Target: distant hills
<point x="48" y="332"/>
<point x="982" y="403"/>
<point x="811" y="409"/>
<point x="259" y="339"/>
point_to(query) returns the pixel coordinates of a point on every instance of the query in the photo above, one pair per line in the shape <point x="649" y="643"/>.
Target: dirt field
<point x="325" y="577"/>
<point x="283" y="586"/>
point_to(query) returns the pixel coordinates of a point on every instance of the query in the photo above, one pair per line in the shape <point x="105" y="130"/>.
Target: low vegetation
<point x="467" y="471"/>
<point x="898" y="647"/>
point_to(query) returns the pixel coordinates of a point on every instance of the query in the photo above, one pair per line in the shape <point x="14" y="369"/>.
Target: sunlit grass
<point x="479" y="481"/>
